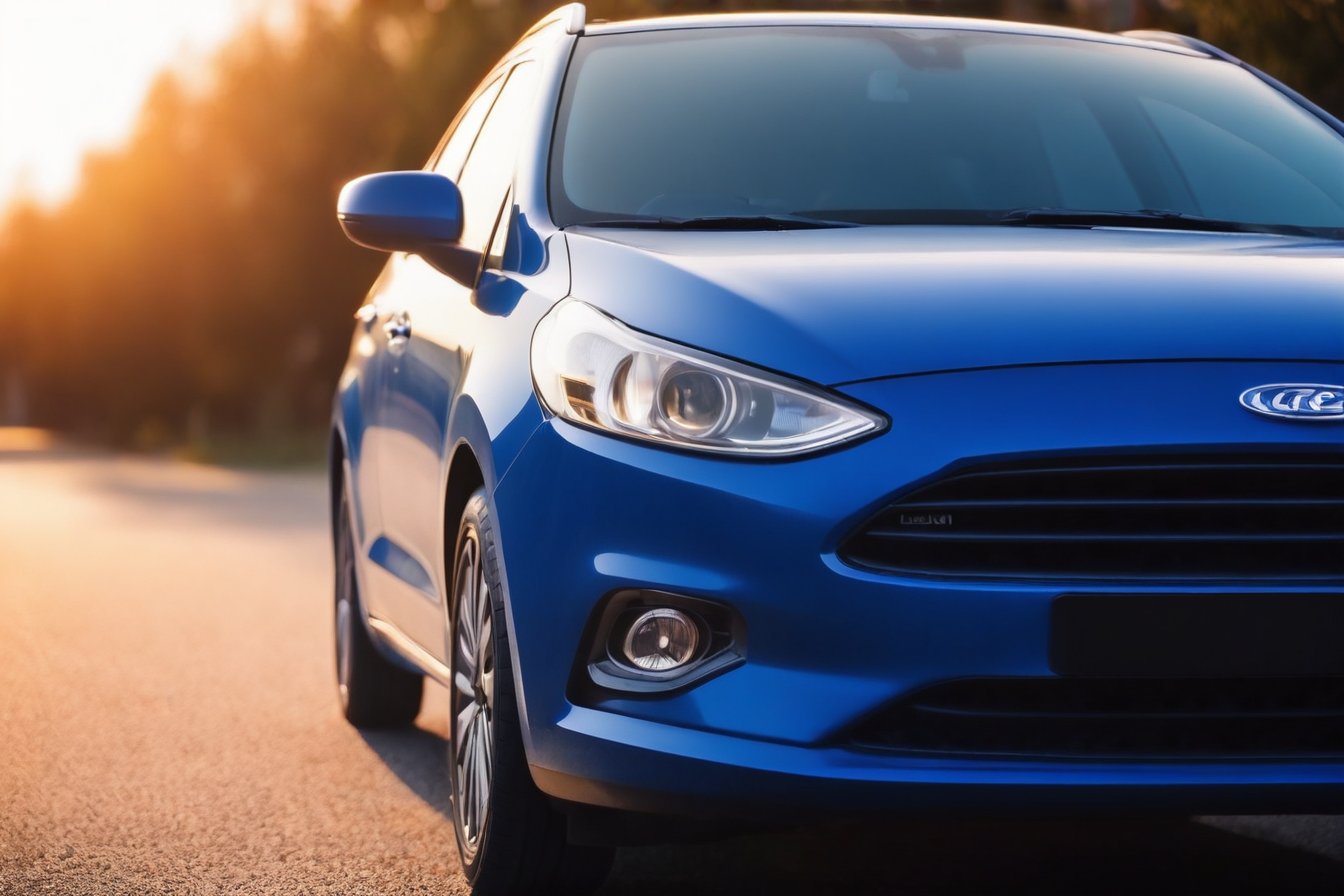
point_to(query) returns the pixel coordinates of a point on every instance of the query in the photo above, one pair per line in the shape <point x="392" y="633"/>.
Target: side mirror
<point x="409" y="211"/>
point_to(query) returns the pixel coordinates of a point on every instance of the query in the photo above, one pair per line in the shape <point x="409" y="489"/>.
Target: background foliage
<point x="198" y="288"/>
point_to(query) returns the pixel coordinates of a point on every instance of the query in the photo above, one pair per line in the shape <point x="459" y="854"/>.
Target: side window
<point x="488" y="173"/>
<point x="458" y="144"/>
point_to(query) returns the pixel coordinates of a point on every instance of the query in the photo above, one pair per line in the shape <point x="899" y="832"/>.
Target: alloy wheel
<point x="473" y="696"/>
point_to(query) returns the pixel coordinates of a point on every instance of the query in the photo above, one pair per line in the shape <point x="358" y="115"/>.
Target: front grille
<point x="1116" y="718"/>
<point x="1171" y="518"/>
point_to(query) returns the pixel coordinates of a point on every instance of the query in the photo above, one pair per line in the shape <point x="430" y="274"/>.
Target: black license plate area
<point x="1240" y="635"/>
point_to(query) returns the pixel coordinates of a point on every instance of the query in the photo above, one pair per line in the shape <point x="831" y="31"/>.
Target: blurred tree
<point x="1300" y="42"/>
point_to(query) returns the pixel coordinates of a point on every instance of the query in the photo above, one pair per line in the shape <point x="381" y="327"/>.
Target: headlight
<point x="591" y="370"/>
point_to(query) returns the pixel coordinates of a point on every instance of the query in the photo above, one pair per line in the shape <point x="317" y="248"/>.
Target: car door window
<point x="448" y="161"/>
<point x="488" y="172"/>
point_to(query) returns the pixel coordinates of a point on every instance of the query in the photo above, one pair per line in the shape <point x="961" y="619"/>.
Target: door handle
<point x="398" y="327"/>
<point x="367" y="315"/>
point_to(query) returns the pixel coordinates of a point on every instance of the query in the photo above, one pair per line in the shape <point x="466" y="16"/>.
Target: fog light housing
<point x="654" y="643"/>
<point x="661" y="640"/>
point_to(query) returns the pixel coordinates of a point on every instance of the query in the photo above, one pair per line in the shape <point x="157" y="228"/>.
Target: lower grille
<point x="1116" y="719"/>
<point x="1275" y="517"/>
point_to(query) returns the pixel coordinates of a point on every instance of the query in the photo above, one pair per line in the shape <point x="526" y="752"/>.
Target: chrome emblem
<point x="1296" y="401"/>
<point x="926" y="519"/>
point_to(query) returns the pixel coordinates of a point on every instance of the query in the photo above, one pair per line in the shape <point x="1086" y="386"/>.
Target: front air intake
<point x="1263" y="517"/>
<point x="1116" y="718"/>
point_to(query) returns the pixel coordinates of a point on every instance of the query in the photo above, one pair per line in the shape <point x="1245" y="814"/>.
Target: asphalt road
<point x="168" y="725"/>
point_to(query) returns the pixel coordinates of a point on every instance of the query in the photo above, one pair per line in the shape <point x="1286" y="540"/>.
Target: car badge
<point x="1296" y="401"/>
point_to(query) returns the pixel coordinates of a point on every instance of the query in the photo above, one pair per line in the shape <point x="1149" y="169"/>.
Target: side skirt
<point x="400" y="643"/>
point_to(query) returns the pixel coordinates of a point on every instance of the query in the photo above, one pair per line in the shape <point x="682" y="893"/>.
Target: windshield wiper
<point x="1156" y="219"/>
<point x="722" y="222"/>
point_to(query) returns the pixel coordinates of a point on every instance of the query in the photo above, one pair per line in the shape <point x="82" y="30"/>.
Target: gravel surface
<point x="170" y="726"/>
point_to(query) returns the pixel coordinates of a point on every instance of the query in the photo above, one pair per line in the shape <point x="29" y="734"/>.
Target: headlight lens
<point x="589" y="369"/>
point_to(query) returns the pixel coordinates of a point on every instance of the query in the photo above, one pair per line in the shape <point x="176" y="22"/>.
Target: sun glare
<point x="74" y="72"/>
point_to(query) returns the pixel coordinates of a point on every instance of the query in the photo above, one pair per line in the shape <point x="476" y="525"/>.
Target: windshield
<point x="885" y="125"/>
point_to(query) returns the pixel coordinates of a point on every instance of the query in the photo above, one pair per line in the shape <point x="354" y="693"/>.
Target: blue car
<point x="822" y="415"/>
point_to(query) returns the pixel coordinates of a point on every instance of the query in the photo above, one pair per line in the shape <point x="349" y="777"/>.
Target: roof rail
<point x="573" y="16"/>
<point x="1181" y="40"/>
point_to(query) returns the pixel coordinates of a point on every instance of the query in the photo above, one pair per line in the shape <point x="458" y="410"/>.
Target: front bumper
<point x="582" y="515"/>
<point x="642" y="766"/>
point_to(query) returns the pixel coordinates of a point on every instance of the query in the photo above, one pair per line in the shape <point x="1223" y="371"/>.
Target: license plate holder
<point x="1196" y="635"/>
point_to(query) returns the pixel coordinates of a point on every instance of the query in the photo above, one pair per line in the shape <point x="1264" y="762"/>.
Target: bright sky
<point x="73" y="74"/>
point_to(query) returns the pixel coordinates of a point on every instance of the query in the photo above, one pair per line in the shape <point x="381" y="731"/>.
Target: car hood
<point x="835" y="306"/>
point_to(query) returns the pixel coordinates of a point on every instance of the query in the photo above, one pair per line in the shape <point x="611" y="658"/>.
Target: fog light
<point x="661" y="639"/>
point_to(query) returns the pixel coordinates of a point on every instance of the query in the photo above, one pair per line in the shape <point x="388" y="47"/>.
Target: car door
<point x="431" y="328"/>
<point x="386" y="593"/>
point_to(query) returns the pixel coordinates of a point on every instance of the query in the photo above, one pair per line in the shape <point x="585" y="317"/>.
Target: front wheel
<point x="511" y="839"/>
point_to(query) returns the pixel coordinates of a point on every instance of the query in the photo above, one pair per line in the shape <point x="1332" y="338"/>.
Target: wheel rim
<point x="473" y="697"/>
<point x="345" y="613"/>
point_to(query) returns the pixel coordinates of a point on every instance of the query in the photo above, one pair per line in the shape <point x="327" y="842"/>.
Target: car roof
<point x="874" y="20"/>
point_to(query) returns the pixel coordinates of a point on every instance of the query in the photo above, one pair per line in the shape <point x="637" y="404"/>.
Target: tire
<point x="510" y="837"/>
<point x="374" y="693"/>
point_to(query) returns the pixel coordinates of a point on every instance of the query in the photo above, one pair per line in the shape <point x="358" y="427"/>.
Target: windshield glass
<point x="886" y="125"/>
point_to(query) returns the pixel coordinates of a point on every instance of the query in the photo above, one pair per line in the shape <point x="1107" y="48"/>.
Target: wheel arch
<point x="471" y="465"/>
<point x="465" y="476"/>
